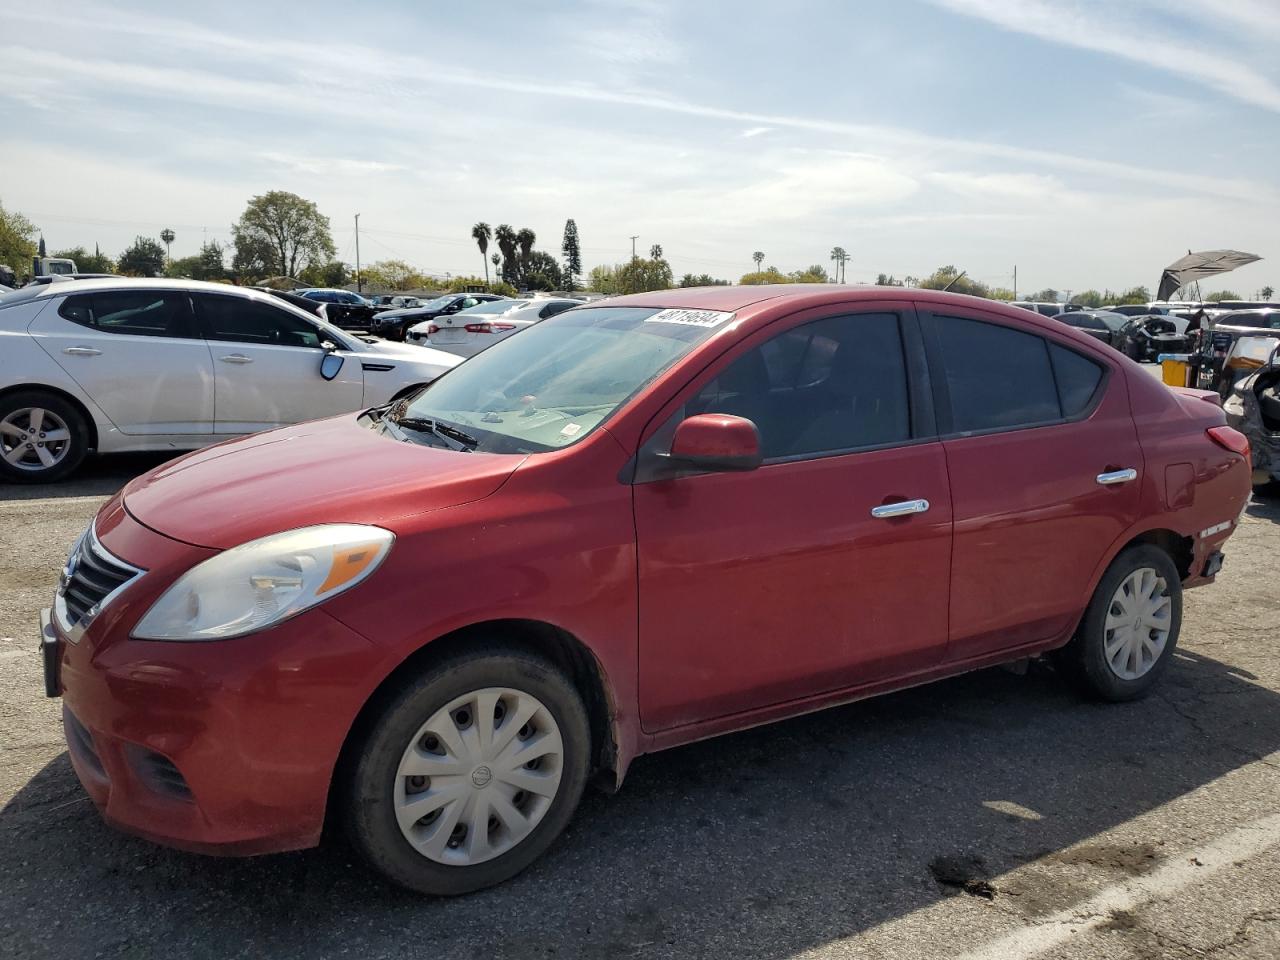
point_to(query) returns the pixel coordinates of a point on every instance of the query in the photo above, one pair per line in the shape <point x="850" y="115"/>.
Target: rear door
<point x="266" y="364"/>
<point x="138" y="355"/>
<point x="784" y="582"/>
<point x="1045" y="473"/>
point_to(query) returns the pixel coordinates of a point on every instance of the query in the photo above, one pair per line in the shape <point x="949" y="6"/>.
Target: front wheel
<point x="1130" y="627"/>
<point x="470" y="773"/>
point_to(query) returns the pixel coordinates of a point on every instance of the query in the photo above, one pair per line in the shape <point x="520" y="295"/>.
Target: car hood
<point x="325" y="471"/>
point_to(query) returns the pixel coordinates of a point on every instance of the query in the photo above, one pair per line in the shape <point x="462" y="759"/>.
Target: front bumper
<point x="223" y="747"/>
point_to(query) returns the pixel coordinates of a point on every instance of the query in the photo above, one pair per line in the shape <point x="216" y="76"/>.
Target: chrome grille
<point x="91" y="577"/>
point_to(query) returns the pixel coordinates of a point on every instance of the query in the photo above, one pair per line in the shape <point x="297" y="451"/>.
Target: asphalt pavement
<point x="991" y="816"/>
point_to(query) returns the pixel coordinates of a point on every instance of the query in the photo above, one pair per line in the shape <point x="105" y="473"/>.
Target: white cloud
<point x="1112" y="29"/>
<point x="755" y="131"/>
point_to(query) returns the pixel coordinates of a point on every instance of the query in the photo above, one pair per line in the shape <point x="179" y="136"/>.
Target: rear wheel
<point x="1130" y="627"/>
<point x="42" y="437"/>
<point x="469" y="773"/>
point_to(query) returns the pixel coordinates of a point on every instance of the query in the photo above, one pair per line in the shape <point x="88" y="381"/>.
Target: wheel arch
<point x="552" y="643"/>
<point x="61" y="394"/>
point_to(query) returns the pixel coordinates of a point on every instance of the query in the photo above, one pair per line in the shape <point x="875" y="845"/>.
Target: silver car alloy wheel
<point x="1137" y="625"/>
<point x="33" y="438"/>
<point x="478" y="776"/>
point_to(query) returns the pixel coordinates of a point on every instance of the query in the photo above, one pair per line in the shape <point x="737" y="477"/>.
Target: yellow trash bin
<point x="1174" y="369"/>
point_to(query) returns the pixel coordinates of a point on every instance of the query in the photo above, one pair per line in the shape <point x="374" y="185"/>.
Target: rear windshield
<point x="495" y="306"/>
<point x="559" y="379"/>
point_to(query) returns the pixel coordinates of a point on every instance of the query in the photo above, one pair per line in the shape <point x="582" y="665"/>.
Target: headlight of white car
<point x="260" y="583"/>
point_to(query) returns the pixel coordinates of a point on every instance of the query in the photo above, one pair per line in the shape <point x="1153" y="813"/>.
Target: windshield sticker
<point x="571" y="430"/>
<point x="692" y="318"/>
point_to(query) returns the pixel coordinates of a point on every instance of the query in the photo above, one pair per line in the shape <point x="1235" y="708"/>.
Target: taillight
<point x="503" y="326"/>
<point x="432" y="329"/>
<point x="479" y="328"/>
<point x="1230" y="439"/>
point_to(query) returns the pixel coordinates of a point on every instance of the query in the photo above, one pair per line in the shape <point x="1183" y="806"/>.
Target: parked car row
<point x="119" y="365"/>
<point x="475" y="328"/>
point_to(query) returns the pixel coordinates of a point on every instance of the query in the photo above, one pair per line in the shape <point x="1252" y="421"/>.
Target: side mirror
<point x="716" y="441"/>
<point x="331" y="365"/>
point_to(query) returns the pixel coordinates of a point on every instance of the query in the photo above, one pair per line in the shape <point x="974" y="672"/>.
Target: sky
<point x="1086" y="142"/>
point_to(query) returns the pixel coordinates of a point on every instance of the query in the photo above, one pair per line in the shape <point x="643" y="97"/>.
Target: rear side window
<point x="1077" y="378"/>
<point x="996" y="377"/>
<point x="131" y="313"/>
<point x="242" y="320"/>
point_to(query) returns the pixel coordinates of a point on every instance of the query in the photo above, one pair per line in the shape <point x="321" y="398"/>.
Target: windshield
<point x="494" y="306"/>
<point x="439" y="302"/>
<point x="561" y="378"/>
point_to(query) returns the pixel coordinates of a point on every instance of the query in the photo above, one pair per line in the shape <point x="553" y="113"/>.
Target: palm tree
<point x="655" y="252"/>
<point x="495" y="260"/>
<point x="758" y="257"/>
<point x="840" y="257"/>
<point x="482" y="234"/>
<point x="505" y="237"/>
<point x="167" y="236"/>
<point x="525" y="239"/>
<point x="1267" y="292"/>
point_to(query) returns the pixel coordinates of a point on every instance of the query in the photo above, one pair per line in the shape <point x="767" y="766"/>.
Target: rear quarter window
<point x="1077" y="377"/>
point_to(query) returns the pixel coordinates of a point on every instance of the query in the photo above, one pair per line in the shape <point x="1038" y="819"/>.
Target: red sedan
<point x="634" y="525"/>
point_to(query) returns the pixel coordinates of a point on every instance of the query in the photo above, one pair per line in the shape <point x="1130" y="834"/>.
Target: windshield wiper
<point x="451" y="435"/>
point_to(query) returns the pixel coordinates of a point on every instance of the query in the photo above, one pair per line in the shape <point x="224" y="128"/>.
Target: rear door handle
<point x="83" y="352"/>
<point x="1117" y="476"/>
<point x="900" y="509"/>
<point x="236" y="358"/>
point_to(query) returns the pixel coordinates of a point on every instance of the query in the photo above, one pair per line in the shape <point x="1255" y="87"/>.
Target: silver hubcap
<point x="478" y="776"/>
<point x="34" y="439"/>
<point x="1138" y="621"/>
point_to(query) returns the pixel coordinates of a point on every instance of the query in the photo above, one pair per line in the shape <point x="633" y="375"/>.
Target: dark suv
<point x="393" y="323"/>
<point x="344" y="309"/>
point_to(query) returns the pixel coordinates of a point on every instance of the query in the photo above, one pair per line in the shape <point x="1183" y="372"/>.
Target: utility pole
<point x="359" y="287"/>
<point x="633" y="245"/>
<point x="1015" y="281"/>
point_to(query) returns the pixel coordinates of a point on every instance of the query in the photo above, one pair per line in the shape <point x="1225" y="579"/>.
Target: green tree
<point x="1219" y="295"/>
<point x="640" y="275"/>
<point x="1001" y="293"/>
<point x="335" y="273"/>
<point x="1266" y="293"/>
<point x="144" y="258"/>
<point x="17" y="241"/>
<point x="167" y="237"/>
<point x="769" y="275"/>
<point x="655" y="252"/>
<point x="885" y="280"/>
<point x="283" y="232"/>
<point x="205" y="265"/>
<point x="87" y="262"/>
<point x="949" y="278"/>
<point x="701" y="280"/>
<point x="1047" y="295"/>
<point x="572" y="253"/>
<point x="525" y="239"/>
<point x="394" y="275"/>
<point x="1088" y="298"/>
<point x="542" y="272"/>
<point x="482" y="233"/>
<point x="814" y="274"/>
<point x="758" y="257"/>
<point x="495" y="260"/>
<point x="1133" y="295"/>
<point x="603" y="279"/>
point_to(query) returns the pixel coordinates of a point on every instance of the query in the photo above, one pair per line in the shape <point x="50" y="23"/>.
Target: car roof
<point x="68" y="287"/>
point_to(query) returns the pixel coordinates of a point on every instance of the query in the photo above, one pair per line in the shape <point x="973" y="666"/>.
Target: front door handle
<point x="83" y="352"/>
<point x="900" y="509"/>
<point x="1117" y="476"/>
<point x="236" y="358"/>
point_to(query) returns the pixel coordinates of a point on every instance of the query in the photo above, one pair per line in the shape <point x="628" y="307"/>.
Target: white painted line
<point x="1191" y="867"/>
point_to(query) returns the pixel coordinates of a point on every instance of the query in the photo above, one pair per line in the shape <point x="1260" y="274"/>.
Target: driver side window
<point x="240" y="320"/>
<point x="824" y="387"/>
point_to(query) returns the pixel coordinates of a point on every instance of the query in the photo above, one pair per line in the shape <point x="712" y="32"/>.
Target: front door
<point x="788" y="581"/>
<point x="266" y="364"/>
<point x="137" y="355"/>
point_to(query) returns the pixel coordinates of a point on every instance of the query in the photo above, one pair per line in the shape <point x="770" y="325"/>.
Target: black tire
<point x="366" y="795"/>
<point x="78" y="444"/>
<point x="1084" y="658"/>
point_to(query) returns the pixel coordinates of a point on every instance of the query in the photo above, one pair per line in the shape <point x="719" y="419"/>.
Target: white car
<point x="121" y="365"/>
<point x="468" y="332"/>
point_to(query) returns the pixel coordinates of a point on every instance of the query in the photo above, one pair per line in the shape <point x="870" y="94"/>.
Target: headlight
<point x="260" y="583"/>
